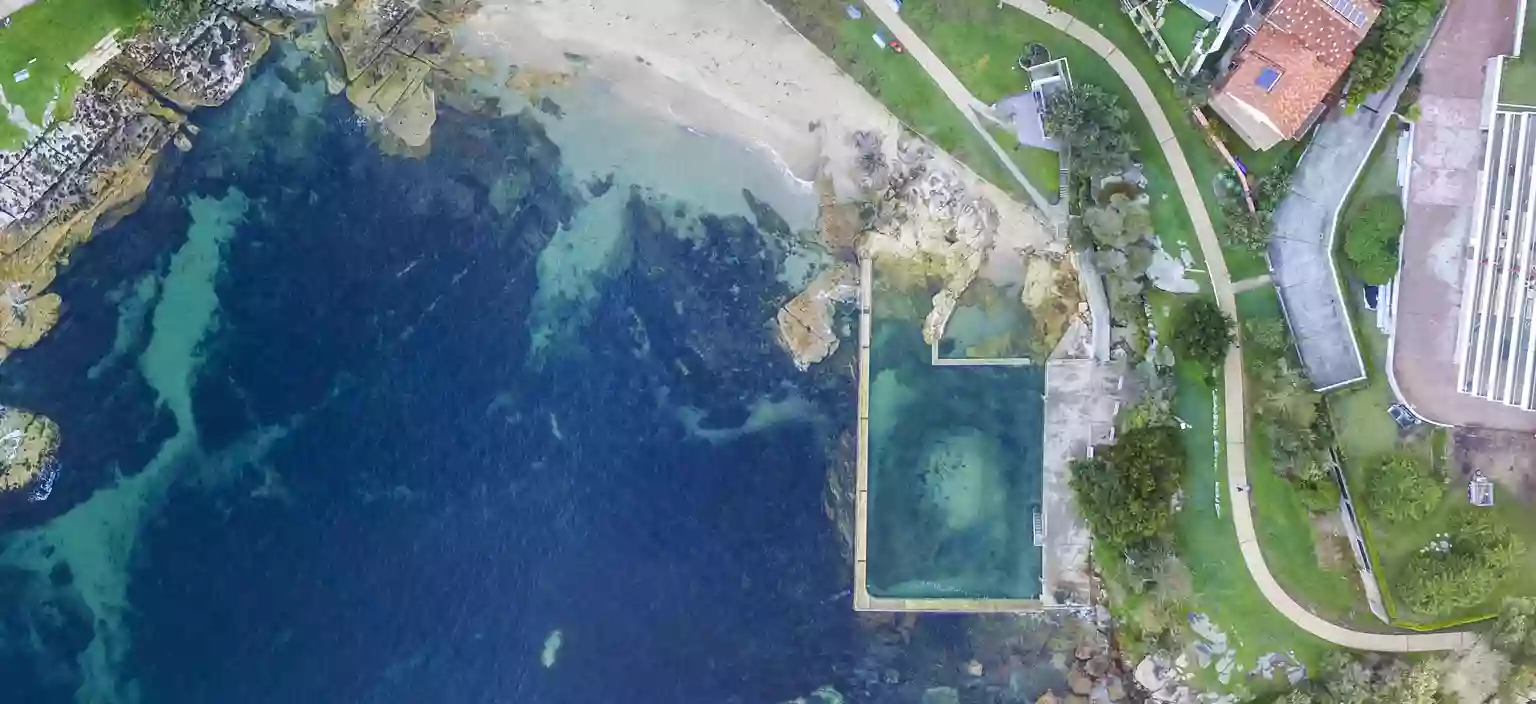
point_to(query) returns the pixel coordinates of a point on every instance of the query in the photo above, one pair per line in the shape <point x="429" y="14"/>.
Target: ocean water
<point x="493" y="425"/>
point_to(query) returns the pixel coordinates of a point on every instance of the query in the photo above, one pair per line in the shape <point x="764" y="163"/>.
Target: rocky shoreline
<point x="93" y="168"/>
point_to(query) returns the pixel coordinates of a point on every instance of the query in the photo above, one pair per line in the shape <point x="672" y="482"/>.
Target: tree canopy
<point x="1202" y="333"/>
<point x="1397" y="31"/>
<point x="1125" y="490"/>
<point x="1120" y="224"/>
<point x="1370" y="241"/>
<point x="1091" y="122"/>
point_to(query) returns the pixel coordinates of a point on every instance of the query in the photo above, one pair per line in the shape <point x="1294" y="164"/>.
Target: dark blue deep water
<point x="385" y="498"/>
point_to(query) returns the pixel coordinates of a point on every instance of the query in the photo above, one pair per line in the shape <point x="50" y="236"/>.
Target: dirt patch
<point x="1332" y="545"/>
<point x="1508" y="458"/>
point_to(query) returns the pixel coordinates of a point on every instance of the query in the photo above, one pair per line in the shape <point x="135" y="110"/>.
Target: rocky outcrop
<point x="201" y="66"/>
<point x="805" y="323"/>
<point x="54" y="189"/>
<point x="393" y="51"/>
<point x="926" y="213"/>
<point x="28" y="443"/>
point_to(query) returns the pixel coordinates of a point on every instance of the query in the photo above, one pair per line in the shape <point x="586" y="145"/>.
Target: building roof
<point x="1208" y="9"/>
<point x="1301" y="51"/>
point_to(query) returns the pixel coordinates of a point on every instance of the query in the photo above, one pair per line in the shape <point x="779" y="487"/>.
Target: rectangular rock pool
<point x="954" y="465"/>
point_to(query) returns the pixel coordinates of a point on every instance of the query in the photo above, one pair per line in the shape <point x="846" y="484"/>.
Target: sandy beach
<point x="732" y="68"/>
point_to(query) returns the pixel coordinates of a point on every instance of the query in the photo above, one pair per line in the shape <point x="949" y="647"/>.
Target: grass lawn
<point x="1283" y="522"/>
<point x="55" y="33"/>
<point x="1041" y="166"/>
<point x="898" y="82"/>
<point x="1179" y="27"/>
<point x="1517" y="85"/>
<point x="1207" y="541"/>
<point x="1517" y="82"/>
<point x="982" y="44"/>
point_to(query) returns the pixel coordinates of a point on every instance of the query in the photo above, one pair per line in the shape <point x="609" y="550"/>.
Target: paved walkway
<point x="1301" y="248"/>
<point x="1259" y="281"/>
<point x="1221" y="283"/>
<point x="9" y="6"/>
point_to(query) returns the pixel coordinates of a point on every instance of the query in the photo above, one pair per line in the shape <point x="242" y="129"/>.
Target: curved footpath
<point x="1221" y="285"/>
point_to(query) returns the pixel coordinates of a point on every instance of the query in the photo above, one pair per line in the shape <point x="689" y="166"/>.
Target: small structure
<point x="1278" y="84"/>
<point x="1027" y="110"/>
<point x="1480" y="490"/>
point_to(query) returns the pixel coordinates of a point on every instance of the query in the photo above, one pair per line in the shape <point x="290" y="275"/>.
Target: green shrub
<point x="1125" y="490"/>
<point x="1397" y="31"/>
<point x="1094" y="126"/>
<point x="1402" y="487"/>
<point x="1318" y="496"/>
<point x="1202" y="333"/>
<point x="1461" y="569"/>
<point x="1371" y="236"/>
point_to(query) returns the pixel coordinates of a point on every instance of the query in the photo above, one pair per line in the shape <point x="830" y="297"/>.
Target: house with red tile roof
<point x="1277" y="85"/>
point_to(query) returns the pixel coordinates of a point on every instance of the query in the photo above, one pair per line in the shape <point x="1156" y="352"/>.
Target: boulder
<point x="1153" y="673"/>
<point x="1079" y="681"/>
<point x="805" y="322"/>
<point x="1115" y="689"/>
<point x="1048" y="698"/>
<point x="1097" y="666"/>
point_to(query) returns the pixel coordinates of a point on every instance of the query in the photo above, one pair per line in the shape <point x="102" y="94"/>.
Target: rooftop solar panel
<point x="1347" y="8"/>
<point x="1267" y="79"/>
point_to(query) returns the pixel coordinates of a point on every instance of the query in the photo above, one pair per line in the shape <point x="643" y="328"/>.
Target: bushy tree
<point x="1370" y="240"/>
<point x="1515" y="630"/>
<point x="1092" y="123"/>
<point x="1202" y="333"/>
<point x="1125" y="490"/>
<point x="1402" y="487"/>
<point x="1397" y="31"/>
<point x="1120" y="224"/>
<point x="1245" y="229"/>
<point x="1460" y="570"/>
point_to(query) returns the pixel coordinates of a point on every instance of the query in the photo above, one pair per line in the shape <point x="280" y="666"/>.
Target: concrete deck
<point x="1081" y="400"/>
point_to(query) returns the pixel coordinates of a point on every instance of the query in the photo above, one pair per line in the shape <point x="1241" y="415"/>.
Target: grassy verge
<point x="1517" y="85"/>
<point x="897" y="81"/>
<point x="1207" y="540"/>
<point x="44" y="39"/>
<point x="1041" y="166"/>
<point x="1281" y="518"/>
<point x="1178" y="31"/>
